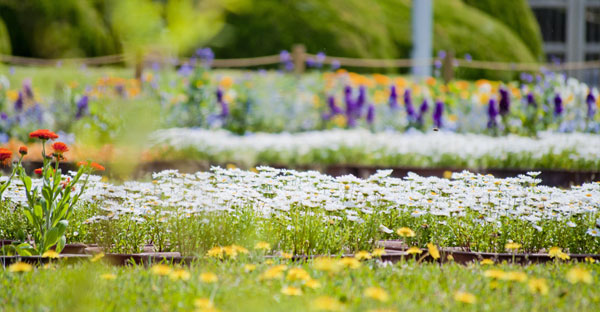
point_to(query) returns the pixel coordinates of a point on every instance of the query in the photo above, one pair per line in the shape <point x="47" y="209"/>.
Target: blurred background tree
<point x="486" y="29"/>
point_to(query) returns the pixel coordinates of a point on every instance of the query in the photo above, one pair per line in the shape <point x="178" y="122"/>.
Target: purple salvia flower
<point x="27" y="88"/>
<point x="284" y="56"/>
<point x="19" y="102"/>
<point x="362" y="97"/>
<point x="558" y="105"/>
<point x="438" y="112"/>
<point x="310" y="62"/>
<point x="224" y="106"/>
<point x="393" y="98"/>
<point x="3" y="116"/>
<point x="492" y="113"/>
<point x="504" y="104"/>
<point x="531" y="100"/>
<point x="82" y="106"/>
<point x="334" y="108"/>
<point x="590" y="100"/>
<point x="348" y="100"/>
<point x="422" y="110"/>
<point x="410" y="110"/>
<point x="335" y="64"/>
<point x="320" y="59"/>
<point x="370" y="114"/>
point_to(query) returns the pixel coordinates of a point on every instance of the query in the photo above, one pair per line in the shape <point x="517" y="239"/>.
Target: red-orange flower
<point x="5" y="154"/>
<point x="38" y="171"/>
<point x="23" y="150"/>
<point x="60" y="147"/>
<point x="97" y="166"/>
<point x="43" y="134"/>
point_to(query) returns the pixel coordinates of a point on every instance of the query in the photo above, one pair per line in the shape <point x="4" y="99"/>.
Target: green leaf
<point x="24" y="250"/>
<point x="38" y="212"/>
<point x="62" y="241"/>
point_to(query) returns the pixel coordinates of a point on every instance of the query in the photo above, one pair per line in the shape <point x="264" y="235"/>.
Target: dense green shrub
<point x="517" y="16"/>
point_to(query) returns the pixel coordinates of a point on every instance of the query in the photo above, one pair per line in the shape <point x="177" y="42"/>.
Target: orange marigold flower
<point x="23" y="150"/>
<point x="38" y="171"/>
<point x="5" y="154"/>
<point x="60" y="147"/>
<point x="43" y="134"/>
<point x="97" y="166"/>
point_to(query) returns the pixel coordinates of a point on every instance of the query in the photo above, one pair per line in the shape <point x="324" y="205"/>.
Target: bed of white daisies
<point x="476" y="211"/>
<point x="551" y="150"/>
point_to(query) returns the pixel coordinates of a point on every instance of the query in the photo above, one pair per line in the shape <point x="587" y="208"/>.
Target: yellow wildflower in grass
<point x="297" y="274"/>
<point x="203" y="303"/>
<point x="377" y="293"/>
<point x="209" y="277"/>
<point x="326" y="303"/>
<point x="363" y="255"/>
<point x="52" y="254"/>
<point x="274" y="272"/>
<point x="577" y="275"/>
<point x="249" y="267"/>
<point x="538" y="286"/>
<point x="512" y="246"/>
<point x="291" y="291"/>
<point x="414" y="250"/>
<point x="239" y="249"/>
<point x="378" y="252"/>
<point x="515" y="276"/>
<point x="327" y="264"/>
<point x="97" y="257"/>
<point x="590" y="260"/>
<point x="20" y="267"/>
<point x="215" y="252"/>
<point x="465" y="297"/>
<point x="230" y="251"/>
<point x="405" y="232"/>
<point x="350" y="263"/>
<point x="556" y="252"/>
<point x="286" y="255"/>
<point x="486" y="262"/>
<point x="312" y="283"/>
<point x="450" y="258"/>
<point x="269" y="261"/>
<point x="108" y="276"/>
<point x="180" y="274"/>
<point x="494" y="274"/>
<point x="262" y="246"/>
<point x="161" y="269"/>
<point x="433" y="251"/>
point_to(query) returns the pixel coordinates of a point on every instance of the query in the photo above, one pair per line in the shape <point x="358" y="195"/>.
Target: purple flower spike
<point x="438" y="112"/>
<point x="82" y="106"/>
<point x="393" y="98"/>
<point x="422" y="110"/>
<point x="558" y="105"/>
<point x="19" y="102"/>
<point x="492" y="114"/>
<point x="590" y="100"/>
<point x="371" y="114"/>
<point x="531" y="100"/>
<point x="410" y="110"/>
<point x="224" y="106"/>
<point x="362" y="97"/>
<point x="504" y="105"/>
<point x="27" y="88"/>
<point x="348" y="100"/>
<point x="334" y="108"/>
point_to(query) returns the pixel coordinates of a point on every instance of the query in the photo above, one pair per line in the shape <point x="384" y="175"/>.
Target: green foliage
<point x="517" y="15"/>
<point x="4" y="38"/>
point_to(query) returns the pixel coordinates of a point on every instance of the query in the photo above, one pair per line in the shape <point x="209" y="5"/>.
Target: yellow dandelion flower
<point x="203" y="303"/>
<point x="297" y="274"/>
<point x="433" y="251"/>
<point x="52" y="254"/>
<point x="286" y="255"/>
<point x="377" y="293"/>
<point x="447" y="174"/>
<point x="326" y="303"/>
<point x="556" y="252"/>
<point x="590" y="260"/>
<point x="327" y="264"/>
<point x="538" y="286"/>
<point x="494" y="274"/>
<point x="405" y="232"/>
<point x="486" y="262"/>
<point x="450" y="258"/>
<point x="414" y="250"/>
<point x="378" y="252"/>
<point x="20" y="267"/>
<point x="215" y="252"/>
<point x="269" y="261"/>
<point x="108" y="276"/>
<point x="230" y="251"/>
<point x="161" y="269"/>
<point x="363" y="255"/>
<point x="97" y="257"/>
<point x="311" y="283"/>
<point x="180" y="274"/>
<point x="249" y="267"/>
<point x="577" y="275"/>
<point x="515" y="276"/>
<point x="350" y="263"/>
<point x="291" y="291"/>
<point x="209" y="277"/>
<point x="262" y="246"/>
<point x="274" y="272"/>
<point x="465" y="297"/>
<point x="513" y="246"/>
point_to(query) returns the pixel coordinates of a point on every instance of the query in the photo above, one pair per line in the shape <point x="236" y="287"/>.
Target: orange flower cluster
<point x="95" y="166"/>
<point x="60" y="147"/>
<point x="43" y="134"/>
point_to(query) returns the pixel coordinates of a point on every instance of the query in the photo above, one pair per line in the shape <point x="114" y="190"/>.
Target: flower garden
<point x="265" y="226"/>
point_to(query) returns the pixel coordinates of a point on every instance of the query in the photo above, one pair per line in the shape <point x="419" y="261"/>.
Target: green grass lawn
<point x="250" y="283"/>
